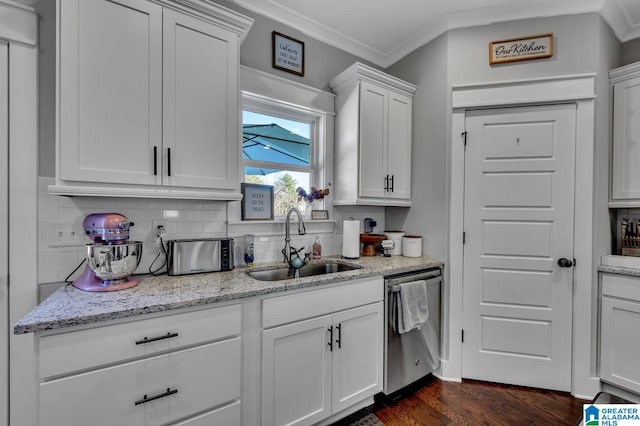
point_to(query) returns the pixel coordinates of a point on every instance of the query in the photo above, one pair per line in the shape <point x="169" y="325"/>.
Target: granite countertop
<point x="70" y="306"/>
<point x="631" y="272"/>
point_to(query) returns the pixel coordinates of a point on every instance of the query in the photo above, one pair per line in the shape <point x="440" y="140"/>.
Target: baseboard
<point x="344" y="413"/>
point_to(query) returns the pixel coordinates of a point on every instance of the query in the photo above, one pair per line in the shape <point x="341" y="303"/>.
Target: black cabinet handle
<point x="155" y="339"/>
<point x="330" y="330"/>
<point x="153" y="398"/>
<point x="155" y="161"/>
<point x="168" y="161"/>
<point x="391" y="183"/>
<point x="339" y="339"/>
<point x="386" y="183"/>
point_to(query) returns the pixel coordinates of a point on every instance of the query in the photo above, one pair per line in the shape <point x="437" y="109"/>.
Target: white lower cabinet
<point x="192" y="384"/>
<point x="317" y="367"/>
<point x="620" y="331"/>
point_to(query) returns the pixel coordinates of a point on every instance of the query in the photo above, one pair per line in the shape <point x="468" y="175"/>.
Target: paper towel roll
<point x="351" y="239"/>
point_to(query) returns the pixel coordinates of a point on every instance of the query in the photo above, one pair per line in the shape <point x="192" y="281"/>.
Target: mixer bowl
<point x="113" y="263"/>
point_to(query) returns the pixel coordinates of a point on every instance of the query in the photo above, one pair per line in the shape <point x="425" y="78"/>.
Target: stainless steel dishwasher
<point x="412" y="355"/>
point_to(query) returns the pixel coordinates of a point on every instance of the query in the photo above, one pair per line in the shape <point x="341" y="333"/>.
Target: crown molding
<point x="18" y="23"/>
<point x="612" y="11"/>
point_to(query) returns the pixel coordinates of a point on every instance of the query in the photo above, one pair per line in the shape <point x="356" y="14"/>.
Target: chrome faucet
<point x="291" y="255"/>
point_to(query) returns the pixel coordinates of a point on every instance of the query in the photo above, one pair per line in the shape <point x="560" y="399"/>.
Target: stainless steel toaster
<point x="194" y="256"/>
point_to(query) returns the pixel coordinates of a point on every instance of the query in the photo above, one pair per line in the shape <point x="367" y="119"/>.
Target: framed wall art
<point x="257" y="202"/>
<point x="521" y="48"/>
<point x="288" y="53"/>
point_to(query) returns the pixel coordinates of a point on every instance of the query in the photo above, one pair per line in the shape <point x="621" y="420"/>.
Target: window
<point x="280" y="147"/>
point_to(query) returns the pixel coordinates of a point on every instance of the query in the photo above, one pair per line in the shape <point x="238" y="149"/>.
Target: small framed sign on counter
<point x="319" y="214"/>
<point x="257" y="202"/>
<point x="521" y="49"/>
<point x="288" y="53"/>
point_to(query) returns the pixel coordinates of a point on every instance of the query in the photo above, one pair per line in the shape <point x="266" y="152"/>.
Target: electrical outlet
<point x="156" y="224"/>
<point x="159" y="229"/>
<point x="66" y="235"/>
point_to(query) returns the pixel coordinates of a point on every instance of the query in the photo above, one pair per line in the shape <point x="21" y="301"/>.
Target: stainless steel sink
<point x="308" y="270"/>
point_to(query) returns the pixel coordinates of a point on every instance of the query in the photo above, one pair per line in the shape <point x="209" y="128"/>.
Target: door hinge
<point x="464" y="138"/>
<point x="464" y="238"/>
<point x="462" y="336"/>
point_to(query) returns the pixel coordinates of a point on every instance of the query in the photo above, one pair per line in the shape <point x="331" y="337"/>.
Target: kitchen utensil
<point x="112" y="258"/>
<point x="387" y="246"/>
<point x="194" y="256"/>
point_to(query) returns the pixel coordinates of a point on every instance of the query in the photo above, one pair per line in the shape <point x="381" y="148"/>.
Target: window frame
<point x="318" y="141"/>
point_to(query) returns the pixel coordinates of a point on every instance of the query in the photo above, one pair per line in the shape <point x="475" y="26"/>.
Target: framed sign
<point x="521" y="49"/>
<point x="288" y="53"/>
<point x="319" y="214"/>
<point x="257" y="202"/>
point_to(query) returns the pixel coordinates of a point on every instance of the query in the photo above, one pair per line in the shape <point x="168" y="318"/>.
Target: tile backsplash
<point x="60" y="252"/>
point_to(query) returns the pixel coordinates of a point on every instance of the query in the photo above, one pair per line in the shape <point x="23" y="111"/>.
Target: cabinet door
<point x="373" y="140"/>
<point x="200" y="114"/>
<point x="619" y="343"/>
<point x="398" y="149"/>
<point x="296" y="373"/>
<point x="626" y="133"/>
<point x="357" y="355"/>
<point x="110" y="83"/>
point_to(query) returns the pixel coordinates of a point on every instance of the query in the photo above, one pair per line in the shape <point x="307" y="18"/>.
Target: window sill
<point x="276" y="227"/>
<point x="276" y="221"/>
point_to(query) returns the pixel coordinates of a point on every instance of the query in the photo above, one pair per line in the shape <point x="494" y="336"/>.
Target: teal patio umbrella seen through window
<point x="274" y="144"/>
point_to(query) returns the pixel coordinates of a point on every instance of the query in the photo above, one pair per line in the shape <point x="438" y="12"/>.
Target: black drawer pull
<point x="339" y="339"/>
<point x="152" y="398"/>
<point x="330" y="330"/>
<point x="155" y="339"/>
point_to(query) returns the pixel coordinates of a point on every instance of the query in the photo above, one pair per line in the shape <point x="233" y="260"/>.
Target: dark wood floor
<point x="473" y="403"/>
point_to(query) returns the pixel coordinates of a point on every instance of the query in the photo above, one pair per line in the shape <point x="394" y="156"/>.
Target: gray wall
<point x="427" y="68"/>
<point x="574" y="43"/>
<point x="322" y="62"/>
<point x="630" y="52"/>
<point x="583" y="44"/>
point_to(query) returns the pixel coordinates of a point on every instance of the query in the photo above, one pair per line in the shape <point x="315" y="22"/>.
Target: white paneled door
<point x="519" y="225"/>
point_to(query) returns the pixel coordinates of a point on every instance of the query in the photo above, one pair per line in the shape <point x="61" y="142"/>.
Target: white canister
<point x="396" y="237"/>
<point x="411" y="246"/>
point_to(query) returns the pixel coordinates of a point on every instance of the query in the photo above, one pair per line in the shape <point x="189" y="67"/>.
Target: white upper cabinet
<point x="148" y="99"/>
<point x="625" y="88"/>
<point x="373" y="138"/>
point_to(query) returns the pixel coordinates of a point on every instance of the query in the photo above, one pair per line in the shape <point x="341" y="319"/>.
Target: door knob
<point x="565" y="263"/>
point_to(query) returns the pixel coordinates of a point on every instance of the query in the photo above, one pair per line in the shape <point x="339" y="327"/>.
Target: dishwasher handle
<point x="427" y="276"/>
<point x="432" y="281"/>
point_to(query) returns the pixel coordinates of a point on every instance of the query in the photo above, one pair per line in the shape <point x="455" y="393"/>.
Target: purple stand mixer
<point x="112" y="258"/>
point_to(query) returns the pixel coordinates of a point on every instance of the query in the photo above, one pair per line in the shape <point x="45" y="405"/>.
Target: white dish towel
<point x="412" y="305"/>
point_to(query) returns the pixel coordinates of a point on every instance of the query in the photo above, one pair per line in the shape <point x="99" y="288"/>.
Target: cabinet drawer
<point x="309" y="304"/>
<point x="204" y="377"/>
<point x="228" y="415"/>
<point x="115" y="343"/>
<point x="621" y="286"/>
